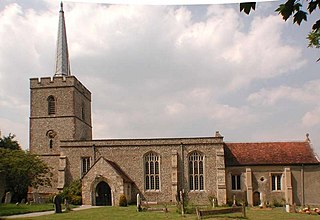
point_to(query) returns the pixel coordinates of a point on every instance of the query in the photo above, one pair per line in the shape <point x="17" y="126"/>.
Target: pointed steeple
<point x="62" y="56"/>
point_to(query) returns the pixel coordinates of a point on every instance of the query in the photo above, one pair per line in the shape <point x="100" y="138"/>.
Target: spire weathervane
<point x="62" y="56"/>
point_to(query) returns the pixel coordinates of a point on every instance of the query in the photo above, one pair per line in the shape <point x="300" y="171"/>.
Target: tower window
<point x="196" y="177"/>
<point x="51" y="105"/>
<point x="51" y="134"/>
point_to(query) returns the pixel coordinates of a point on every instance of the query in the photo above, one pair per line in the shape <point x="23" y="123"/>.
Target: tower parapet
<point x="60" y="81"/>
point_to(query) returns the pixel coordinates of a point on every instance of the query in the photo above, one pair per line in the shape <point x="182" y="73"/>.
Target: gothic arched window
<point x="152" y="171"/>
<point x="196" y="176"/>
<point x="51" y="105"/>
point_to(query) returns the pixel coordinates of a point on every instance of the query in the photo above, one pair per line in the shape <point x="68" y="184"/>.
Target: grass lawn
<point x="13" y="209"/>
<point x="129" y="213"/>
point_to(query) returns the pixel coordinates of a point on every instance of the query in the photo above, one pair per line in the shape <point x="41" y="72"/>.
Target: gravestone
<point x="213" y="203"/>
<point x="36" y="197"/>
<point x="66" y="204"/>
<point x="57" y="204"/>
<point x="262" y="199"/>
<point x="234" y="201"/>
<point x="8" y="197"/>
<point x="138" y="203"/>
<point x="23" y="201"/>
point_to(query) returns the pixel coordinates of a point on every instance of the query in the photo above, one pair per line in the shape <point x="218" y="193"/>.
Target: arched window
<point x="51" y="105"/>
<point x="51" y="134"/>
<point x="152" y="171"/>
<point x="196" y="177"/>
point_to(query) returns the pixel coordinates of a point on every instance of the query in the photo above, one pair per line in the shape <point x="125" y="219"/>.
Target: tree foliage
<point x="9" y="142"/>
<point x="21" y="169"/>
<point x="299" y="13"/>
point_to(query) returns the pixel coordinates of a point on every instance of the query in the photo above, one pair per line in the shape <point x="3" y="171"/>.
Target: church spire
<point x="62" y="56"/>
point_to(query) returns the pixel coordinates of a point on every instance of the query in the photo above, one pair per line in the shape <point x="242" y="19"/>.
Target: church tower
<point x="60" y="106"/>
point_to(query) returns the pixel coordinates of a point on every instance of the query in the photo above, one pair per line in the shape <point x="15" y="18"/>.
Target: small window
<point x="276" y="182"/>
<point x="85" y="166"/>
<point x="51" y="135"/>
<point x="152" y="172"/>
<point x="196" y="176"/>
<point x="236" y="182"/>
<point x="51" y="105"/>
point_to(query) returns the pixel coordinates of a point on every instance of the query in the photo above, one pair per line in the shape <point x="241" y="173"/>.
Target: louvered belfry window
<point x="51" y="105"/>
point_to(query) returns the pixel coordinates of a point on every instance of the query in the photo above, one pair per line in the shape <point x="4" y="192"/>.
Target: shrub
<point x="277" y="203"/>
<point x="123" y="201"/>
<point x="72" y="193"/>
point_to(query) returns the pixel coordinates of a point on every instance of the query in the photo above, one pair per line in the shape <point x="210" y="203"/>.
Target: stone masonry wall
<point x="305" y="193"/>
<point x="102" y="171"/>
<point x="311" y="174"/>
<point x="72" y="101"/>
<point x="129" y="154"/>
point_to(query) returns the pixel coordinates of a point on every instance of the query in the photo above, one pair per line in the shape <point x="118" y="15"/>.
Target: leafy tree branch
<point x="299" y="13"/>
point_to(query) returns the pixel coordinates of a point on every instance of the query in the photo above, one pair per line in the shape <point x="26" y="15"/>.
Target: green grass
<point x="129" y="213"/>
<point x="13" y="209"/>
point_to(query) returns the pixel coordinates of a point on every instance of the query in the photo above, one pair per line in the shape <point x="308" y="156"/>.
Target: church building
<point x="158" y="169"/>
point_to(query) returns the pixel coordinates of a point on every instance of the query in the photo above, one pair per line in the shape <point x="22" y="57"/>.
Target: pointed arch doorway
<point x="103" y="194"/>
<point x="256" y="198"/>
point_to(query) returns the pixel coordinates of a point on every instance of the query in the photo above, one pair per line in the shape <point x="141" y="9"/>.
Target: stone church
<point x="158" y="169"/>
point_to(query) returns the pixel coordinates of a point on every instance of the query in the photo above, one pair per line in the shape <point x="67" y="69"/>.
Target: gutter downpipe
<point x="182" y="167"/>
<point x="302" y="185"/>
<point x="94" y="153"/>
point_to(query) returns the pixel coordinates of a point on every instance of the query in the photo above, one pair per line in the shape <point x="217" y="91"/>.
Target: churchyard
<point x="130" y="213"/>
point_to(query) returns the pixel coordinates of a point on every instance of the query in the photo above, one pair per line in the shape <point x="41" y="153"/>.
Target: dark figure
<point x="57" y="204"/>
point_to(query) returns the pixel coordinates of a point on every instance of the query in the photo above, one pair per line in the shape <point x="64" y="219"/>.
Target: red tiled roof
<point x="269" y="153"/>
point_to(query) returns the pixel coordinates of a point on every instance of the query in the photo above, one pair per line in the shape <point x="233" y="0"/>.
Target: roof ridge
<point x="262" y="142"/>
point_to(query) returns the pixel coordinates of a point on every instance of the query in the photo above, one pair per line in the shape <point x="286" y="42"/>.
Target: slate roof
<point x="269" y="153"/>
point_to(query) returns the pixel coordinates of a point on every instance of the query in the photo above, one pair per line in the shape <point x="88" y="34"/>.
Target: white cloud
<point x="18" y="128"/>
<point x="174" y="109"/>
<point x="152" y="71"/>
<point x="307" y="93"/>
<point x="312" y="118"/>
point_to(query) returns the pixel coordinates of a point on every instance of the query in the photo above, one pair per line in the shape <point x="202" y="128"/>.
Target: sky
<point x="167" y="71"/>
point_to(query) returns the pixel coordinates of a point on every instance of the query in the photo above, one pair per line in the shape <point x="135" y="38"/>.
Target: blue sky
<point x="168" y="71"/>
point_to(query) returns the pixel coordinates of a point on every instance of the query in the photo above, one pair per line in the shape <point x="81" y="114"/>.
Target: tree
<point x="21" y="169"/>
<point x="295" y="9"/>
<point x="9" y="143"/>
